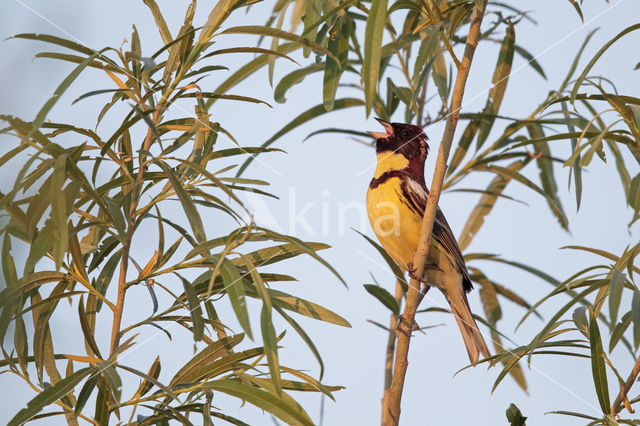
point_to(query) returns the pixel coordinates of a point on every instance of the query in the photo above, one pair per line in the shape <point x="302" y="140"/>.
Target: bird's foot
<point x="411" y="270"/>
<point x="401" y="328"/>
<point x="427" y="267"/>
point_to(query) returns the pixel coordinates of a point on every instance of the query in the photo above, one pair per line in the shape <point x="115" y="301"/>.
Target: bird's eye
<point x="405" y="134"/>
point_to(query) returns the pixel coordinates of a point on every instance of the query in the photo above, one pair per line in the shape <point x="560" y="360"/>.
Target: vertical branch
<point x="131" y="219"/>
<point x="391" y="345"/>
<point x="391" y="342"/>
<point x="393" y="397"/>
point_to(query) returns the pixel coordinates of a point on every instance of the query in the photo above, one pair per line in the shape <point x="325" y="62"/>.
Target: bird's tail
<point x="472" y="337"/>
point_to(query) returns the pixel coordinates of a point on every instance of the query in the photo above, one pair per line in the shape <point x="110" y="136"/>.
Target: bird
<point x="396" y="200"/>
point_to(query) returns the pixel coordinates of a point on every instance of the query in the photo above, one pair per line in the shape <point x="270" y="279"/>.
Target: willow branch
<point x="131" y="219"/>
<point x="621" y="399"/>
<point x="391" y="342"/>
<point x="393" y="397"/>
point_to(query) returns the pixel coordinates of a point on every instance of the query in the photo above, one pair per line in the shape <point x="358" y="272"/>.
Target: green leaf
<point x="191" y="370"/>
<point x="555" y="208"/>
<point x="273" y="32"/>
<point x="56" y="40"/>
<point x="338" y="45"/>
<point x="635" y="318"/>
<point x="154" y="373"/>
<point x="615" y="293"/>
<point x="304" y="307"/>
<point x="294" y="78"/>
<point x="160" y="22"/>
<point x="274" y="254"/>
<point x="46" y="108"/>
<point x="372" y="50"/>
<point x="304" y="336"/>
<point x="597" y="56"/>
<point x="618" y="331"/>
<point x="500" y="80"/>
<point x="195" y="310"/>
<point x="49" y="396"/>
<point x="282" y="406"/>
<point x="248" y="69"/>
<point x="271" y="348"/>
<point x="485" y="204"/>
<point x="59" y="209"/>
<point x="85" y="394"/>
<point x="598" y="368"/>
<point x="187" y="202"/>
<point x="514" y="416"/>
<point x="384" y="297"/>
<point x="234" y="288"/>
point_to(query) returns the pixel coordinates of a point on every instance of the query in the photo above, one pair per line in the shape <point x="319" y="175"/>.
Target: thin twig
<point x="393" y="397"/>
<point x="621" y="399"/>
<point x="391" y="342"/>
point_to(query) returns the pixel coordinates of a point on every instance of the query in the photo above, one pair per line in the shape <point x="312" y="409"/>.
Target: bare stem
<point x="391" y="342"/>
<point x="621" y="399"/>
<point x="393" y="397"/>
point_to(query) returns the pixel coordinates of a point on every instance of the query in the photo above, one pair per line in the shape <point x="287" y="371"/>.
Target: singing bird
<point x="396" y="201"/>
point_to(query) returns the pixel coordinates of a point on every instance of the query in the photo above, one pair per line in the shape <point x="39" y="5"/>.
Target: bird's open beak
<point x="387" y="126"/>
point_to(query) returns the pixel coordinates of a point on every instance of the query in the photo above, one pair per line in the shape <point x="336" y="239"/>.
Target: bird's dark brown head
<point x="400" y="138"/>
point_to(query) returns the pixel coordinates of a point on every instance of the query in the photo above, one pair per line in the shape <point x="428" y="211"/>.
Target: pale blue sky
<point x="330" y="170"/>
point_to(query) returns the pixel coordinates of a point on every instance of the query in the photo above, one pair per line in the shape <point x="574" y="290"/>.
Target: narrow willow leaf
<point x="292" y="79"/>
<point x="56" y="40"/>
<point x="49" y="395"/>
<point x="195" y="310"/>
<point x="485" y="204"/>
<point x="273" y="32"/>
<point x="154" y="372"/>
<point x="338" y="45"/>
<point x="274" y="254"/>
<point x="245" y="71"/>
<point x="284" y="407"/>
<point x="372" y="50"/>
<point x="384" y="297"/>
<point x="574" y="414"/>
<point x="499" y="81"/>
<point x="163" y="29"/>
<point x="271" y="348"/>
<point x="619" y="330"/>
<point x="187" y="202"/>
<point x="615" y="294"/>
<point x="87" y="330"/>
<point x="635" y="317"/>
<point x="597" y="56"/>
<point x="545" y="166"/>
<point x="305" y="337"/>
<point x="234" y="288"/>
<point x="555" y="209"/>
<point x="306" y="308"/>
<point x="101" y="414"/>
<point x="190" y="371"/>
<point x="599" y="370"/>
<point x="85" y="393"/>
<point x="44" y="111"/>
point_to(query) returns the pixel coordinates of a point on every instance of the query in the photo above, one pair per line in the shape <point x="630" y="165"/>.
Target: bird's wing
<point x="418" y="195"/>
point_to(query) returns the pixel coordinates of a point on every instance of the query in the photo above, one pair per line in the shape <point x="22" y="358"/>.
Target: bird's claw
<point x="411" y="270"/>
<point x="401" y="329"/>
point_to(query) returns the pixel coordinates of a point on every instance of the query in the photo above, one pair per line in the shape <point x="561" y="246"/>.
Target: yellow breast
<point x="394" y="223"/>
